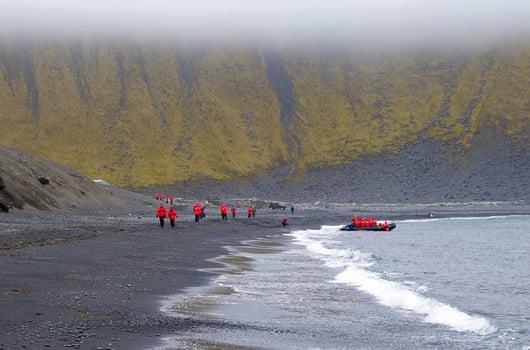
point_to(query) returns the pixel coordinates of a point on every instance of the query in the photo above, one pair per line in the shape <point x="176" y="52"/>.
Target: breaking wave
<point x="392" y="294"/>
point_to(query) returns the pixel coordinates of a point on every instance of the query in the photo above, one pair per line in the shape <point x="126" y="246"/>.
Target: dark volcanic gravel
<point x="421" y="172"/>
<point x="86" y="282"/>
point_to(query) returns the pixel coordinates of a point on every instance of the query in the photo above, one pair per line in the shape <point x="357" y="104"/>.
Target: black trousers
<point x="162" y="218"/>
<point x="233" y="215"/>
<point x="172" y="222"/>
<point x="224" y="216"/>
<point x="197" y="217"/>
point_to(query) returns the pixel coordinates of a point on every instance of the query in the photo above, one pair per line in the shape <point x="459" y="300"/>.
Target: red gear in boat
<point x="172" y="214"/>
<point x="161" y="212"/>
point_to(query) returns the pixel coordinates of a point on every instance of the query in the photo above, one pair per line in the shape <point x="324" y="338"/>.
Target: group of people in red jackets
<point x="167" y="197"/>
<point x="199" y="211"/>
<point x="363" y="222"/>
<point x="162" y="214"/>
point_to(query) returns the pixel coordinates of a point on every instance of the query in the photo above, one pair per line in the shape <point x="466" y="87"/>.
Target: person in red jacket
<point x="249" y="212"/>
<point x="161" y="214"/>
<point x="197" y="211"/>
<point x="285" y="222"/>
<point x="233" y="210"/>
<point x="172" y="215"/>
<point x="224" y="211"/>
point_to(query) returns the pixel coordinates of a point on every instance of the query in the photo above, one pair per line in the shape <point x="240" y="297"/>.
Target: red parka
<point x="172" y="214"/>
<point x="161" y="212"/>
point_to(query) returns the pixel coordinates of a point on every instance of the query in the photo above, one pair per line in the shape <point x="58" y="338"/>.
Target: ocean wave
<point x="388" y="293"/>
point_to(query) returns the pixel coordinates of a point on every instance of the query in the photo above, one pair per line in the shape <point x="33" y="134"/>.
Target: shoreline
<point x="88" y="282"/>
<point x="88" y="289"/>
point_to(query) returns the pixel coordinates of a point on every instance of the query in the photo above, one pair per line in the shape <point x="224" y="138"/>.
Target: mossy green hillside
<point x="145" y="114"/>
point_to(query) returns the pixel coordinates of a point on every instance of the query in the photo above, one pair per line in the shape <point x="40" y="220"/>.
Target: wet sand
<point x="89" y="282"/>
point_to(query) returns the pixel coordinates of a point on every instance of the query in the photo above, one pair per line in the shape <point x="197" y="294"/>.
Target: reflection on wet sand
<point x="189" y="343"/>
<point x="203" y="305"/>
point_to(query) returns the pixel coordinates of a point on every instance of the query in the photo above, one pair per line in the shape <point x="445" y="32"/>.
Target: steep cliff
<point x="140" y="114"/>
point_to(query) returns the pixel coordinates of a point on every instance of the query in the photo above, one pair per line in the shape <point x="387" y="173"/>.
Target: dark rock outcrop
<point x="23" y="186"/>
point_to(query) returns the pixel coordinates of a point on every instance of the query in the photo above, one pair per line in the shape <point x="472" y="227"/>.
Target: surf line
<point x="388" y="293"/>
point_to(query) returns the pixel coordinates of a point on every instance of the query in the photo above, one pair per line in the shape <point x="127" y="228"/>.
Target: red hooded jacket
<point x="172" y="214"/>
<point x="161" y="212"/>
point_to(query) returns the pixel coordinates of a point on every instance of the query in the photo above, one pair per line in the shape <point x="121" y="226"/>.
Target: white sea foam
<point x="389" y="293"/>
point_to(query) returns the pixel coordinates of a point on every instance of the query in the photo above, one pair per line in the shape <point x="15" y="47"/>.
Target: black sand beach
<point x="96" y="282"/>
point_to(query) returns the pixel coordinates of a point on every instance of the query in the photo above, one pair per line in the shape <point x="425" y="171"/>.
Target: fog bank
<point x="377" y="22"/>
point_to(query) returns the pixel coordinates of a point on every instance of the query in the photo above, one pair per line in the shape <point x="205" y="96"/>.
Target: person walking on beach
<point x="224" y="211"/>
<point x="292" y="210"/>
<point x="172" y="216"/>
<point x="203" y="211"/>
<point x="253" y="211"/>
<point x="170" y="198"/>
<point x="233" y="210"/>
<point x="284" y="222"/>
<point x="161" y="214"/>
<point x="197" y="211"/>
<point x="249" y="212"/>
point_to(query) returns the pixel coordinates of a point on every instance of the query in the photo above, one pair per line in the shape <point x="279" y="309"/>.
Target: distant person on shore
<point x="233" y="210"/>
<point x="253" y="211"/>
<point x="161" y="214"/>
<point x="203" y="211"/>
<point x="170" y="199"/>
<point x="249" y="212"/>
<point x="197" y="211"/>
<point x="172" y="216"/>
<point x="292" y="210"/>
<point x="285" y="222"/>
<point x="224" y="211"/>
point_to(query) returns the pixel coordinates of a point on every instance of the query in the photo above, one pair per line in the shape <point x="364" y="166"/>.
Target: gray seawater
<point x="456" y="283"/>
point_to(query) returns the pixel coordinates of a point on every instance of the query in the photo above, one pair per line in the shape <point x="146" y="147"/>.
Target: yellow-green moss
<point x="141" y="115"/>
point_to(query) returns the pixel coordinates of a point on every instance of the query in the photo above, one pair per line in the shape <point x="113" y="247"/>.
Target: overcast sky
<point x="288" y="20"/>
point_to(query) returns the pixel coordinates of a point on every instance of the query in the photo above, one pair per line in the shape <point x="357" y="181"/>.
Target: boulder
<point x="43" y="179"/>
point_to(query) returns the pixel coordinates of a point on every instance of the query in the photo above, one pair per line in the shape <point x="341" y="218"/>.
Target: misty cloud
<point x="341" y="21"/>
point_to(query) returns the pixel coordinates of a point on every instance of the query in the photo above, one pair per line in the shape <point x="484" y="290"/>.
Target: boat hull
<point x="351" y="227"/>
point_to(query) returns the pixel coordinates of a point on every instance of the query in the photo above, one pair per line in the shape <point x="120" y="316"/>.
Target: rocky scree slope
<point x="29" y="183"/>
